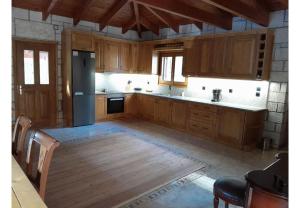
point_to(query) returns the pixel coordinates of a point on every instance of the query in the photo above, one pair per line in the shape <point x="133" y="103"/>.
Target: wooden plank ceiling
<point x="143" y="15"/>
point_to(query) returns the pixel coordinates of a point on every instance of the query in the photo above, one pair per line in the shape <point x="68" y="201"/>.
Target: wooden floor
<point x="107" y="171"/>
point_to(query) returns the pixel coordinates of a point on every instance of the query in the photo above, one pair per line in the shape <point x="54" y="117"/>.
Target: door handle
<point x="20" y="89"/>
<point x="78" y="93"/>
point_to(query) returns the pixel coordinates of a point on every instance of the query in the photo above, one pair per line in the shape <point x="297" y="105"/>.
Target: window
<point x="28" y="67"/>
<point x="44" y="67"/>
<point x="171" y="69"/>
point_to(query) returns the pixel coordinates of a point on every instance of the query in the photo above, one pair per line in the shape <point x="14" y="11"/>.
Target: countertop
<point x="193" y="99"/>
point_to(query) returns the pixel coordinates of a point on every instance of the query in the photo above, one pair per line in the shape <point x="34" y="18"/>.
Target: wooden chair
<point x="231" y="191"/>
<point x="19" y="134"/>
<point x="47" y="146"/>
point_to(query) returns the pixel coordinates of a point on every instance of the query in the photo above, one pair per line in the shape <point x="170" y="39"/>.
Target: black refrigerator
<point x="83" y="87"/>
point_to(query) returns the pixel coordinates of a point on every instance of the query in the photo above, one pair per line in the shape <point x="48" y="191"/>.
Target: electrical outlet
<point x="203" y="88"/>
<point x="258" y="89"/>
<point x="257" y="94"/>
<point x="230" y="90"/>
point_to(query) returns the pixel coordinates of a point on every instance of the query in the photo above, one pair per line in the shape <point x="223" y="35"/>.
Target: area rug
<point x="110" y="166"/>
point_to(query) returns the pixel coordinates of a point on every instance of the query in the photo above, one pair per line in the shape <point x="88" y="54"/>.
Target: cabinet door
<point x="191" y="57"/>
<point x="230" y="126"/>
<point x="99" y="56"/>
<point x="125" y="57"/>
<point x="205" y="56"/>
<point x="178" y="118"/>
<point x="145" y="59"/>
<point x="217" y="56"/>
<point x="100" y="106"/>
<point x="163" y="111"/>
<point x="241" y="56"/>
<point x="82" y="41"/>
<point x="134" y="58"/>
<point x="111" y="56"/>
<point x="131" y="104"/>
<point x="146" y="108"/>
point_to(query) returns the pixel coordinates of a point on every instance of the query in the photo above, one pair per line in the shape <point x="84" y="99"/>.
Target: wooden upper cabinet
<point x="230" y="126"/>
<point x="99" y="56"/>
<point x="125" y="57"/>
<point x="241" y="56"/>
<point x="83" y="41"/>
<point x="217" y="57"/>
<point x="191" y="57"/>
<point x="144" y="64"/>
<point x="111" y="51"/>
<point x="134" y="52"/>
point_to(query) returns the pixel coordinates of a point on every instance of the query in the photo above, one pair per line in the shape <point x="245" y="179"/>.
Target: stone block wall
<point x="277" y="104"/>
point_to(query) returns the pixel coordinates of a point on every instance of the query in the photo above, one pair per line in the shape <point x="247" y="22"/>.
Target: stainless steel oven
<point x="115" y="104"/>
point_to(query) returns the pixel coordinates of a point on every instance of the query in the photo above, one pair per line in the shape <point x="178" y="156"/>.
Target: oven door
<point x="115" y="105"/>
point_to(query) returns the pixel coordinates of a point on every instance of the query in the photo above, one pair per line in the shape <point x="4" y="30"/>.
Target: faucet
<point x="170" y="89"/>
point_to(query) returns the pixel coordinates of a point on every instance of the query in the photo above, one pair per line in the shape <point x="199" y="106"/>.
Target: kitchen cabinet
<point x="179" y="115"/>
<point x="202" y="119"/>
<point x="163" y="111"/>
<point x="146" y="106"/>
<point x="131" y="105"/>
<point x="134" y="56"/>
<point x="230" y="126"/>
<point x="241" y="56"/>
<point x="144" y="62"/>
<point x="99" y="56"/>
<point x="234" y="55"/>
<point x="125" y="57"/>
<point x="82" y="41"/>
<point x="111" y="56"/>
<point x="101" y="107"/>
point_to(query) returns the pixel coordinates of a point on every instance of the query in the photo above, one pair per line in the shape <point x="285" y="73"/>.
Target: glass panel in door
<point x="44" y="67"/>
<point x="166" y="63"/>
<point x="178" y="69"/>
<point x="28" y="67"/>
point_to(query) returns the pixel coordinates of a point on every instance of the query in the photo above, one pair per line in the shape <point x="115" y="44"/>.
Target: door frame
<point x="14" y="57"/>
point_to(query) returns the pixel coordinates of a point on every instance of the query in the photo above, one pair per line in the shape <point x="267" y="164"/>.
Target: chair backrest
<point x="47" y="145"/>
<point x="19" y="134"/>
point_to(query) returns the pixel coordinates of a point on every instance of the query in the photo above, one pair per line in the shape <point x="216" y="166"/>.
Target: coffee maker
<point x="216" y="95"/>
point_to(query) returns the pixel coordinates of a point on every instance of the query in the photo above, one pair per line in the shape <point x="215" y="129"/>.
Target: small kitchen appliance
<point x="216" y="95"/>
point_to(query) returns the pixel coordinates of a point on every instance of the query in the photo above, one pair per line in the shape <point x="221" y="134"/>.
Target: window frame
<point x="172" y="54"/>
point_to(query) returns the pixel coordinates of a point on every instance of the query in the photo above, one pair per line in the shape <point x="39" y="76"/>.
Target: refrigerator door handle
<point x="78" y="93"/>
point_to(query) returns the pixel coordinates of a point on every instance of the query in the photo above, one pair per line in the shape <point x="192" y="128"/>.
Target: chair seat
<point x="231" y="190"/>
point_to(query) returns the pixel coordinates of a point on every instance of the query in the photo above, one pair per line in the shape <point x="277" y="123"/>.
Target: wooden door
<point x="230" y="126"/>
<point x="101" y="107"/>
<point x="241" y="56"/>
<point x="205" y="56"/>
<point x="35" y="81"/>
<point x="111" y="56"/>
<point x="134" y="52"/>
<point x="125" y="57"/>
<point x="218" y="56"/>
<point x="179" y="115"/>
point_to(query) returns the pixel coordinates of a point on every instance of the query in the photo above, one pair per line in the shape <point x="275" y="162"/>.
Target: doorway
<point x="35" y="81"/>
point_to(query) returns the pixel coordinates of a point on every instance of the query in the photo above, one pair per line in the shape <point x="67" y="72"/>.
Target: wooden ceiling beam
<point x="130" y="24"/>
<point x="111" y="12"/>
<point x="221" y="19"/>
<point x="149" y="25"/>
<point x="136" y="12"/>
<point x="49" y="8"/>
<point x="166" y="20"/>
<point x="257" y="13"/>
<point x="82" y="10"/>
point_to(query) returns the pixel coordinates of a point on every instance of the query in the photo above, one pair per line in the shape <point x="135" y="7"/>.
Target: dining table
<point x="23" y="193"/>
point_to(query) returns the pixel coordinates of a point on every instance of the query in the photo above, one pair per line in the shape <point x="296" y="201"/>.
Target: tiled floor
<point x="196" y="191"/>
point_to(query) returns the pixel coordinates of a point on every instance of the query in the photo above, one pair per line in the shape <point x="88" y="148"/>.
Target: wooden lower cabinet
<point x="230" y="126"/>
<point x="163" y="111"/>
<point x="100" y="107"/>
<point x="131" y="105"/>
<point x="179" y="115"/>
<point x="146" y="106"/>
